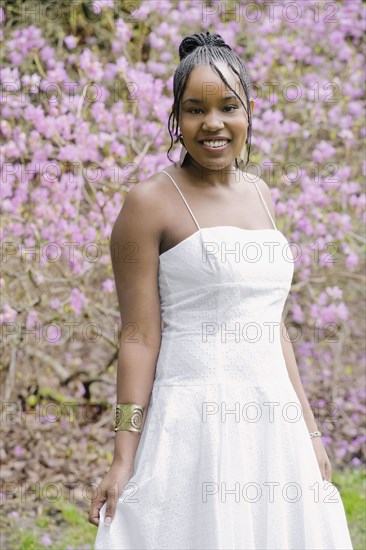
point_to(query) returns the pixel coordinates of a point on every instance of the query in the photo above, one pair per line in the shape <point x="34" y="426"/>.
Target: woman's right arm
<point x="134" y="246"/>
<point x="134" y="249"/>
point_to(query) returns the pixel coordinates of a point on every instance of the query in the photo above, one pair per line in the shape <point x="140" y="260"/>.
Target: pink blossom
<point x="48" y="56"/>
<point x="342" y="311"/>
<point x="70" y="41"/>
<point x="334" y="291"/>
<point x="18" y="451"/>
<point x="323" y="151"/>
<point x="31" y="319"/>
<point x="90" y="65"/>
<point x="108" y="285"/>
<point x="46" y="540"/>
<point x="352" y="260"/>
<point x="8" y="314"/>
<point x="297" y="314"/>
<point x="123" y="35"/>
<point x="23" y="42"/>
<point x="99" y="5"/>
<point x="78" y="301"/>
<point x="49" y="418"/>
<point x="341" y="452"/>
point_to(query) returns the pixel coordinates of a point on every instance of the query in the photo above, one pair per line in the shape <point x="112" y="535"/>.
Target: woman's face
<point x="206" y="113"/>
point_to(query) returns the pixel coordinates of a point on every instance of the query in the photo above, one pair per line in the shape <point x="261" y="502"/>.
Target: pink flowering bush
<point x="86" y="93"/>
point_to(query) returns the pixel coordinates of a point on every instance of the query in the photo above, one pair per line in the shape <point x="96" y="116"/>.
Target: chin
<point x="217" y="165"/>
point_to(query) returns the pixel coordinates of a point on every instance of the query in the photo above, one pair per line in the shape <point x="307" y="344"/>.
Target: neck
<point x="202" y="176"/>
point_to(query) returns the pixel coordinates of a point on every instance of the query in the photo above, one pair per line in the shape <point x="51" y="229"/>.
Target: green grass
<point x="67" y="523"/>
<point x="352" y="486"/>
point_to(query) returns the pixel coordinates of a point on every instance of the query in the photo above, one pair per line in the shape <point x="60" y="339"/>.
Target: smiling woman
<point x="219" y="447"/>
<point x="220" y="89"/>
<point x="220" y="121"/>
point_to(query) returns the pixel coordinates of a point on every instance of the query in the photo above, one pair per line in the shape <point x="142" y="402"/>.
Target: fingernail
<point x="107" y="521"/>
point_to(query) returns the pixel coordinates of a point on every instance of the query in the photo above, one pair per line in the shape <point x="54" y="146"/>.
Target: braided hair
<point x="204" y="49"/>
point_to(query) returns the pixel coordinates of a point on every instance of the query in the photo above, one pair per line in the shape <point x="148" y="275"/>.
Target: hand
<point x="323" y="460"/>
<point x="117" y="477"/>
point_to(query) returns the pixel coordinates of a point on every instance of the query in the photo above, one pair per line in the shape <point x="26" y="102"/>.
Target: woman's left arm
<point x="294" y="376"/>
<point x="293" y="372"/>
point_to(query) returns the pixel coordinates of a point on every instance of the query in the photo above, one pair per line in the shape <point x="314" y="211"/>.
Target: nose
<point x="212" y="122"/>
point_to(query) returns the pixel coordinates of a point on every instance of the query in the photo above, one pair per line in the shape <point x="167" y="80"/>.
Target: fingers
<point x="322" y="468"/>
<point x="102" y="496"/>
<point x="94" y="511"/>
<point x="111" y="506"/>
<point x="328" y="471"/>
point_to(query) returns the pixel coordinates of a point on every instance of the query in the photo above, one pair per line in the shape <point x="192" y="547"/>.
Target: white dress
<point x="225" y="460"/>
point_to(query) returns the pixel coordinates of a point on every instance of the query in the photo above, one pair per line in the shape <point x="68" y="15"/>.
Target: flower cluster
<point x="85" y="102"/>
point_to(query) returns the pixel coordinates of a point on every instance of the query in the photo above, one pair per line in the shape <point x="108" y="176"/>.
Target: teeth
<point x="216" y="143"/>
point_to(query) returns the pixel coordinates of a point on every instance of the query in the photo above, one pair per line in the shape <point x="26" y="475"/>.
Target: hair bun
<point x="194" y="41"/>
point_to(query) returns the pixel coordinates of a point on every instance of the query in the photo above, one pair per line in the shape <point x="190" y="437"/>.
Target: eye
<point x="226" y="107"/>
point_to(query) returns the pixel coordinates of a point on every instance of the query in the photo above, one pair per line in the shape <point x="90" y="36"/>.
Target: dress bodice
<point x="223" y="285"/>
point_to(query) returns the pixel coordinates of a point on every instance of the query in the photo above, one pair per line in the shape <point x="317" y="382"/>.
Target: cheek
<point x="186" y="125"/>
<point x="241" y="127"/>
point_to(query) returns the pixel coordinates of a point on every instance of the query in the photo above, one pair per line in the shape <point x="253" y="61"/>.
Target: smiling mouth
<point x="215" y="144"/>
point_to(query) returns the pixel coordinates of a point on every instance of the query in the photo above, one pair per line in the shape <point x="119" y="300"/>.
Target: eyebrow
<point x="196" y="100"/>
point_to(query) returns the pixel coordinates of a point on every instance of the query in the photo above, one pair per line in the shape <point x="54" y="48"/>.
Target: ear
<point x="251" y="101"/>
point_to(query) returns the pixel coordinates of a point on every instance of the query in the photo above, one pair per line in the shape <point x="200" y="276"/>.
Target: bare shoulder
<point x="264" y="189"/>
<point x="145" y="194"/>
<point x="142" y="207"/>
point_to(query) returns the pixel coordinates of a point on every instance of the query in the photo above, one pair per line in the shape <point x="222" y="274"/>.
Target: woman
<point x="216" y="445"/>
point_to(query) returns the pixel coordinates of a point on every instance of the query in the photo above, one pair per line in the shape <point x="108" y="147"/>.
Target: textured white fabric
<point x="225" y="460"/>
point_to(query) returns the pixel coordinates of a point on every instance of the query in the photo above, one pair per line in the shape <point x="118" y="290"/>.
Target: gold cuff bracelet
<point x="129" y="417"/>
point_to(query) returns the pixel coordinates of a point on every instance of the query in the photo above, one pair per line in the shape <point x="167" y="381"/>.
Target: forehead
<point x="204" y="82"/>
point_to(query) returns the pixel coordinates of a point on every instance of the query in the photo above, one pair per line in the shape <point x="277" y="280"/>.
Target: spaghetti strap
<point x="181" y="194"/>
<point x="265" y="204"/>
